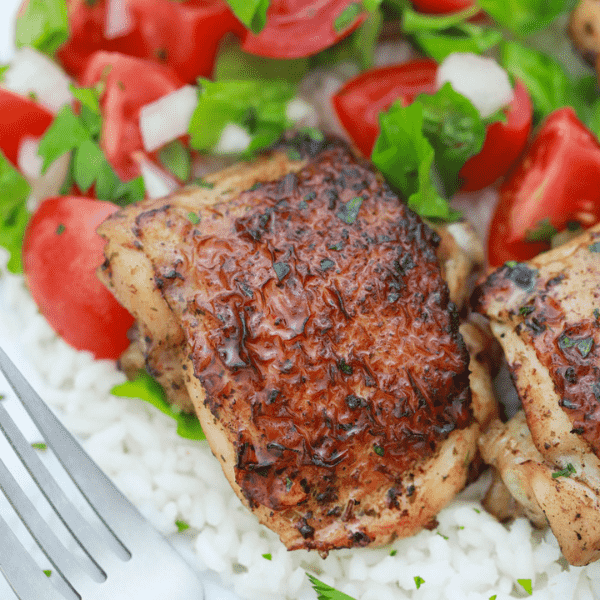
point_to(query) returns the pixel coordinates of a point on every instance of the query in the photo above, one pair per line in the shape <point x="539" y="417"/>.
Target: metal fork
<point x="130" y="560"/>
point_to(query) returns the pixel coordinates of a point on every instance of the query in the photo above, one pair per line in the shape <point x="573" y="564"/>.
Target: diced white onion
<point x="482" y="80"/>
<point x="118" y="20"/>
<point x="30" y="164"/>
<point x="32" y="71"/>
<point x="158" y="183"/>
<point x="233" y="139"/>
<point x="302" y="112"/>
<point x="167" y="118"/>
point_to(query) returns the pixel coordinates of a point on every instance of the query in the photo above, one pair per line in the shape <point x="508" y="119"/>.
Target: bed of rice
<point x="469" y="556"/>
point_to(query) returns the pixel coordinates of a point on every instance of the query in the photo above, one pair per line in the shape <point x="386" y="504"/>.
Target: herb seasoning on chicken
<point x="306" y="308"/>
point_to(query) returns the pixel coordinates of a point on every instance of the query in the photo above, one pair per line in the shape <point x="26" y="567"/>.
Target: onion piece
<point x="167" y="118"/>
<point x="233" y="139"/>
<point x="118" y="21"/>
<point x="482" y="80"/>
<point x="157" y="182"/>
<point x="30" y="164"/>
<point x="302" y="113"/>
<point x="32" y="71"/>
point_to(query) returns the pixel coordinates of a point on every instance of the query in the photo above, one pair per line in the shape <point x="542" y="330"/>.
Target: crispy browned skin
<point x="316" y="339"/>
<point x="546" y="315"/>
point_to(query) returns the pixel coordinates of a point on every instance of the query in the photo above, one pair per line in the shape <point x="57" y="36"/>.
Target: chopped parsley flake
<point x="47" y="572"/>
<point x="393" y="552"/>
<point x="293" y="154"/>
<point x="345" y="367"/>
<point x="597" y="313"/>
<point x="477" y="511"/>
<point x="526" y="310"/>
<point x="350" y="210"/>
<point x="442" y="535"/>
<point x="313" y="133"/>
<point x="337" y="247"/>
<point x="419" y="581"/>
<point x="267" y="556"/>
<point x="200" y="182"/>
<point x="595" y="247"/>
<point x="511" y="264"/>
<point x="281" y="269"/>
<point x="39" y="446"/>
<point x="60" y="229"/>
<point x="584" y="345"/>
<point x="566" y="472"/>
<point x="378" y="450"/>
<point x="181" y="525"/>
<point x="194" y="218"/>
<point x="326" y="592"/>
<point x="493" y="597"/>
<point x="526" y="585"/>
<point x="288" y="484"/>
<point x="326" y="264"/>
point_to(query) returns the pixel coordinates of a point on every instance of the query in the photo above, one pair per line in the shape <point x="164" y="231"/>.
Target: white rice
<point x="469" y="556"/>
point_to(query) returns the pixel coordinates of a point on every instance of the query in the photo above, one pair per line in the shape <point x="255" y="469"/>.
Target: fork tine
<point x="51" y="546"/>
<point x="118" y="514"/>
<point x="63" y="507"/>
<point x="24" y="575"/>
<point x="82" y="532"/>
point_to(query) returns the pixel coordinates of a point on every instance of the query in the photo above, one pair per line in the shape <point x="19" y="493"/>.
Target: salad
<point x="492" y="113"/>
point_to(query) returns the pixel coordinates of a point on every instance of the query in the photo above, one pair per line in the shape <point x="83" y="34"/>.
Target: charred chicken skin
<point x="546" y="315"/>
<point x="302" y="307"/>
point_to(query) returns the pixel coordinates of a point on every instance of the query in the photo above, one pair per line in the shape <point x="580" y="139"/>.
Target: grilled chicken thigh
<point x="302" y="307"/>
<point x="546" y="315"/>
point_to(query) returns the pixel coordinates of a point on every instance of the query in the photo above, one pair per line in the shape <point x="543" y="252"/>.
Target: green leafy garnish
<point x="566" y="472"/>
<point x="3" y="69"/>
<point x="175" y="157"/>
<point x="526" y="584"/>
<point x="181" y="525"/>
<point x="393" y="552"/>
<point x="148" y="389"/>
<point x="423" y="146"/>
<point x="595" y="247"/>
<point x="267" y="556"/>
<point x="547" y="81"/>
<point x="252" y="13"/>
<point x="349" y="211"/>
<point x="80" y="135"/>
<point x="326" y="592"/>
<point x="378" y="450"/>
<point x="14" y="191"/>
<point x="584" y="345"/>
<point x="493" y="597"/>
<point x="43" y="25"/>
<point x="257" y="106"/>
<point x="524" y="17"/>
<point x="419" y="581"/>
<point x="39" y="446"/>
<point x="47" y="572"/>
<point x="194" y="218"/>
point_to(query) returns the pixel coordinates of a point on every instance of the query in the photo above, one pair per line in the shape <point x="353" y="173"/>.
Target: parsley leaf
<point x="267" y="556"/>
<point x="566" y="472"/>
<point x="419" y="581"/>
<point x="326" y="592"/>
<point x="148" y="389"/>
<point x="39" y="446"/>
<point x="252" y="13"/>
<point x="181" y="525"/>
<point x="422" y="147"/>
<point x="14" y="191"/>
<point x="80" y="135"/>
<point x="258" y="106"/>
<point x="525" y="16"/>
<point x="43" y="25"/>
<point x="527" y="585"/>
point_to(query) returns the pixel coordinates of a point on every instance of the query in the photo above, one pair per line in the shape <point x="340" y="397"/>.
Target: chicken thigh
<point x="546" y="315"/>
<point x="302" y="307"/>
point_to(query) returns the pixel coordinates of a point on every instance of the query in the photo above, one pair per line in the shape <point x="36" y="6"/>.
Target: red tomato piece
<point x="20" y="118"/>
<point x="130" y="83"/>
<point x="61" y="252"/>
<point x="504" y="143"/>
<point x="555" y="184"/>
<point x="359" y="102"/>
<point x="439" y="7"/>
<point x="183" y="35"/>
<point x="298" y="28"/>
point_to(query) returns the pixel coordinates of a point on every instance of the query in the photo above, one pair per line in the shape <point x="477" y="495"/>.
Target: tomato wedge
<point x="183" y="35"/>
<point x="439" y="7"/>
<point x="61" y="252"/>
<point x="298" y="28"/>
<point x="554" y="186"/>
<point x="129" y="84"/>
<point x="20" y="118"/>
<point x="359" y="102"/>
